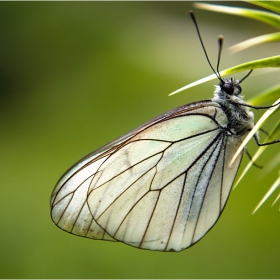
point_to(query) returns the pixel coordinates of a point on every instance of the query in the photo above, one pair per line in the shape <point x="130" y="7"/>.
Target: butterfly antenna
<point x="220" y="42"/>
<point x="246" y="76"/>
<point x="201" y="42"/>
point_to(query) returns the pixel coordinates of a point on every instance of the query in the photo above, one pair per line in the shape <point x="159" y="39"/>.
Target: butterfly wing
<point x="160" y="187"/>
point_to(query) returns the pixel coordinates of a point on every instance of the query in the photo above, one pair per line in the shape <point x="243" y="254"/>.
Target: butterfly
<point x="163" y="185"/>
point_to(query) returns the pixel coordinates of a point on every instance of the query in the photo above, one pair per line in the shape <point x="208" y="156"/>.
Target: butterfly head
<point x="228" y="91"/>
<point x="230" y="87"/>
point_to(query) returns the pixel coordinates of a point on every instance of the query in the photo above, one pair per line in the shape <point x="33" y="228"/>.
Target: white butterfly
<point x="163" y="185"/>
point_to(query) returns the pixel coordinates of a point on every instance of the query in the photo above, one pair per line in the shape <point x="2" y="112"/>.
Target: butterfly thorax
<point x="240" y="118"/>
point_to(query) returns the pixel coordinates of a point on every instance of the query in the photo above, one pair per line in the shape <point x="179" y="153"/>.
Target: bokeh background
<point x="75" y="76"/>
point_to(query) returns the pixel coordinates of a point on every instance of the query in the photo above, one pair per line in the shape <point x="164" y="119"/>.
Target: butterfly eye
<point x="228" y="88"/>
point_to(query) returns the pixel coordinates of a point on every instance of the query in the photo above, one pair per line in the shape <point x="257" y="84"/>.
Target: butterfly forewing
<point x="160" y="187"/>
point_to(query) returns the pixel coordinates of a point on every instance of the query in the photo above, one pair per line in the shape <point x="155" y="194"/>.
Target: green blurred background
<point x="75" y="76"/>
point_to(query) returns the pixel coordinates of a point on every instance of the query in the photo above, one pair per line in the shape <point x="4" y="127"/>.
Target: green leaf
<point x="271" y="5"/>
<point x="266" y="17"/>
<point x="266" y="96"/>
<point x="267" y="38"/>
<point x="273" y="61"/>
<point x="268" y="194"/>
